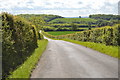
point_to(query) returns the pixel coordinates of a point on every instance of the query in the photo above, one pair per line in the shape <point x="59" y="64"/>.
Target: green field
<point x="70" y="20"/>
<point x="67" y="24"/>
<point x="61" y="32"/>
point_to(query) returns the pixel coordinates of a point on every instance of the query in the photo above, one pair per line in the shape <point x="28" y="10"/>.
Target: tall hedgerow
<point x="19" y="39"/>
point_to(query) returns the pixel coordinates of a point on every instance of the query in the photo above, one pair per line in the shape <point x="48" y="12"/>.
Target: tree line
<point x="105" y="17"/>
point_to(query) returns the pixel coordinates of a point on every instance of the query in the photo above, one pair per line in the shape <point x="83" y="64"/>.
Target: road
<point x="68" y="60"/>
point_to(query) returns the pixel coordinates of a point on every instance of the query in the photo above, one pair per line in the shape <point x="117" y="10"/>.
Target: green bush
<point x="19" y="41"/>
<point x="48" y="28"/>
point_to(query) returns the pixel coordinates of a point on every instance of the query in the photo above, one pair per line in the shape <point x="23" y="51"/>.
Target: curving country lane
<point x="68" y="60"/>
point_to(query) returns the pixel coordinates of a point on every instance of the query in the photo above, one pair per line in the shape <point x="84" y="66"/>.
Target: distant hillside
<point x="105" y="17"/>
<point x="45" y="17"/>
<point x="58" y="23"/>
<point x="73" y="20"/>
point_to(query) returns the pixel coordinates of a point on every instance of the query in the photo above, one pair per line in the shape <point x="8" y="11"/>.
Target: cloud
<point x="60" y="7"/>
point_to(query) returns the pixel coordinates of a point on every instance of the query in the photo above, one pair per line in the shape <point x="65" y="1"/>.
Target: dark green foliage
<point x="48" y="28"/>
<point x="73" y="27"/>
<point x="19" y="41"/>
<point x="60" y="28"/>
<point x="41" y="36"/>
<point x="79" y="16"/>
<point x="89" y="25"/>
<point x="67" y="27"/>
<point x="63" y="29"/>
<point x="37" y="20"/>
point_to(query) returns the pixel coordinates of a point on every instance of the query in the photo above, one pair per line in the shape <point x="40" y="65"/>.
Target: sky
<point x="65" y="8"/>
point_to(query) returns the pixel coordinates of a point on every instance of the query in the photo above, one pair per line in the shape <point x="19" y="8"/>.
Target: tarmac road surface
<point x="63" y="59"/>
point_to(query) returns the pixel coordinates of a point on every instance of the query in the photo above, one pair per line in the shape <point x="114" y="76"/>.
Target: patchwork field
<point x="61" y="32"/>
<point x="71" y="20"/>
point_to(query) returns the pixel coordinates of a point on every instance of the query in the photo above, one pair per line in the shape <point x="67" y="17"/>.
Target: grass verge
<point x="109" y="50"/>
<point x="25" y="69"/>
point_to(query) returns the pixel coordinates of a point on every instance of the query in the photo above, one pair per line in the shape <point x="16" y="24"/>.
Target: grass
<point x="109" y="50"/>
<point x="25" y="69"/>
<point x="61" y="32"/>
<point x="68" y="24"/>
<point x="69" y="20"/>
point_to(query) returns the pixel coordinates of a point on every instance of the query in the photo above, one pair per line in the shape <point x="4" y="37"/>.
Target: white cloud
<point x="60" y="7"/>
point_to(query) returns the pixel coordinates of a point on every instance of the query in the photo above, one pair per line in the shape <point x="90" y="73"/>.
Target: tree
<point x="73" y="27"/>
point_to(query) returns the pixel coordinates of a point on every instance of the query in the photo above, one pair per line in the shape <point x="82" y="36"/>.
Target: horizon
<point x="87" y="16"/>
<point x="68" y="8"/>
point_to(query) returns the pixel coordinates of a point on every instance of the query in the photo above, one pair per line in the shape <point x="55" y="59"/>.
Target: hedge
<point x="106" y="35"/>
<point x="19" y="40"/>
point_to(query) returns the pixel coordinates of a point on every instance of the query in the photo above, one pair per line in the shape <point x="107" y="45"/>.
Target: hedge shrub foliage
<point x="19" y="41"/>
<point x="106" y="35"/>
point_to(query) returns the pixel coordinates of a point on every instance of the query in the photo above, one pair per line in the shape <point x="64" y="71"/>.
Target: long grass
<point x="108" y="50"/>
<point x="25" y="69"/>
